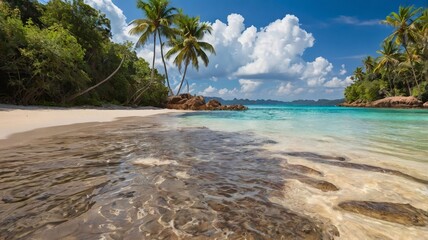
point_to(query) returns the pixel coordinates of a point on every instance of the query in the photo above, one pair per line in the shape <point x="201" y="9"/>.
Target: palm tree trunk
<point x="152" y="72"/>
<point x="164" y="64"/>
<point x="182" y="80"/>
<point x="154" y="57"/>
<point x="408" y="86"/>
<point x="98" y="84"/>
<point x="412" y="67"/>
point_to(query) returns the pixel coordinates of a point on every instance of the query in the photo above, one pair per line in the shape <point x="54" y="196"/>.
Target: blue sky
<point x="273" y="49"/>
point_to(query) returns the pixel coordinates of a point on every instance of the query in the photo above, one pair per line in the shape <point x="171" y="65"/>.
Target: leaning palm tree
<point x="187" y="45"/>
<point x="158" y="21"/>
<point x="404" y="32"/>
<point x="388" y="59"/>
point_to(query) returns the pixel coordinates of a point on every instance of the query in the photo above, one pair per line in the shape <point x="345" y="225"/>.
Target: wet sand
<point x="150" y="178"/>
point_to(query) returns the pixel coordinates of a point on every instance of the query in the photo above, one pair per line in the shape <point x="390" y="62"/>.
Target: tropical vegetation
<point x="61" y="53"/>
<point x="401" y="69"/>
<point x="187" y="45"/>
<point x="184" y="33"/>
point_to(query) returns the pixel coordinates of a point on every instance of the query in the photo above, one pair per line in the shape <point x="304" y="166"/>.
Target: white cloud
<point x="248" y="86"/>
<point x="355" y="21"/>
<point x="298" y="91"/>
<point x="316" y="71"/>
<point x="285" y="88"/>
<point x="228" y="93"/>
<point x="342" y="70"/>
<point x="277" y="49"/>
<point x="336" y="82"/>
<point x="119" y="26"/>
<point x="270" y="53"/>
<point x="208" y="91"/>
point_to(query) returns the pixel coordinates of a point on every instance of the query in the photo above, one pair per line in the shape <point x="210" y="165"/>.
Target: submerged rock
<point x="404" y="214"/>
<point x="189" y="102"/>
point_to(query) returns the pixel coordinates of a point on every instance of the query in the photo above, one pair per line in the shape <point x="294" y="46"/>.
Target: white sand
<point x="25" y="119"/>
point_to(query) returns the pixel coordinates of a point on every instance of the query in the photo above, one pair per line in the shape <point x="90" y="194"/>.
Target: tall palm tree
<point x="369" y="64"/>
<point x="158" y="21"/>
<point x="388" y="59"/>
<point x="187" y="45"/>
<point x="404" y="32"/>
<point x="359" y="74"/>
<point x="422" y="27"/>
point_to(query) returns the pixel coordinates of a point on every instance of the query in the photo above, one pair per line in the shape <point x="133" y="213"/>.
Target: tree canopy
<point x="401" y="69"/>
<point x="54" y="51"/>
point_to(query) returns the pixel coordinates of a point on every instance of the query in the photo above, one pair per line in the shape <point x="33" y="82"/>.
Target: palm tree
<point x="359" y="74"/>
<point x="422" y="27"/>
<point x="389" y="58"/>
<point x="369" y="64"/>
<point x="404" y="32"/>
<point x="187" y="45"/>
<point x="159" y="18"/>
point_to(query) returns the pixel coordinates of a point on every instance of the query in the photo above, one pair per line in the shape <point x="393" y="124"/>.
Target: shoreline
<point x="15" y="120"/>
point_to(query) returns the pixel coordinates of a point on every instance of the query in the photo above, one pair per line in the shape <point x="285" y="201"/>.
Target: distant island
<point x="300" y="102"/>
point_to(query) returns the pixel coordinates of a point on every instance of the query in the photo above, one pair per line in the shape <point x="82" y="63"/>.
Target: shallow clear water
<point x="401" y="133"/>
<point x="272" y="172"/>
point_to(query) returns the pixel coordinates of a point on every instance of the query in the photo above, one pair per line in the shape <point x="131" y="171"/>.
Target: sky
<point x="272" y="49"/>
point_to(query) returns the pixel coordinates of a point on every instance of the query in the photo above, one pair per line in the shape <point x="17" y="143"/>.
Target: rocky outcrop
<point x="425" y="105"/>
<point x="404" y="214"/>
<point x="189" y="102"/>
<point x="398" y="102"/>
<point x="389" y="102"/>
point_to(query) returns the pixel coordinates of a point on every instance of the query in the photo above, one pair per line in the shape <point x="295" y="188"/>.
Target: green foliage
<point x="28" y="9"/>
<point x="187" y="45"/>
<point x="402" y="67"/>
<point x="159" y="18"/>
<point x="90" y="27"/>
<point x="53" y="59"/>
<point x="66" y="54"/>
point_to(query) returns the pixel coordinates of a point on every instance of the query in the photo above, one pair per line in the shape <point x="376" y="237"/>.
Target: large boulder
<point x="188" y="102"/>
<point x="425" y="105"/>
<point x="195" y="103"/>
<point x="213" y="104"/>
<point x="174" y="99"/>
<point x="397" y="102"/>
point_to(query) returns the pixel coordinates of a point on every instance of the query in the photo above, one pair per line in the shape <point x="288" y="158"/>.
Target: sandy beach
<point x="20" y="119"/>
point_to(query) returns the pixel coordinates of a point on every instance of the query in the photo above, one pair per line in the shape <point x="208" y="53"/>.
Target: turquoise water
<point x="401" y="133"/>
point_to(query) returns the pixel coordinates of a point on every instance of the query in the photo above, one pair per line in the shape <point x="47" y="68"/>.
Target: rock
<point x="186" y="95"/>
<point x="425" y="105"/>
<point x="358" y="103"/>
<point x="213" y="103"/>
<point x="389" y="102"/>
<point x="188" y="102"/>
<point x="404" y="214"/>
<point x="398" y="102"/>
<point x="195" y="103"/>
<point x="174" y="99"/>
